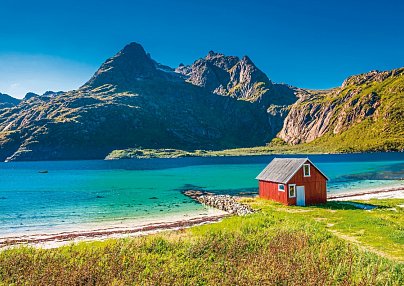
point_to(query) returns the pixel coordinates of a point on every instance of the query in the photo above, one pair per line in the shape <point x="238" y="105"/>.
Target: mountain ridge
<point x="7" y="101"/>
<point x="128" y="102"/>
<point x="218" y="102"/>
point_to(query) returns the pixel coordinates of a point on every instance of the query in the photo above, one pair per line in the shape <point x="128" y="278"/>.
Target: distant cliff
<point x="365" y="114"/>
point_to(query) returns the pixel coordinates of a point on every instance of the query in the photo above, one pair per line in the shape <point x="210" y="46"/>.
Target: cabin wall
<point x="315" y="186"/>
<point x="269" y="190"/>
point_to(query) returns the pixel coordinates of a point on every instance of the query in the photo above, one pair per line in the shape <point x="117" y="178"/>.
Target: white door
<point x="300" y="197"/>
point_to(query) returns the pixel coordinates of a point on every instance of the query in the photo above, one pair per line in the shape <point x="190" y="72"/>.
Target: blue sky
<point x="58" y="45"/>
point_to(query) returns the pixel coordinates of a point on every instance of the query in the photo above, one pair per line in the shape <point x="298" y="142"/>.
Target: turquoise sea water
<point x="75" y="192"/>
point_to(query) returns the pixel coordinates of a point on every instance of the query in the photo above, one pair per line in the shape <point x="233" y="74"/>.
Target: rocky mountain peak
<point x="130" y="65"/>
<point x="29" y="95"/>
<point x="8" y="101"/>
<point x="372" y="76"/>
<point x="212" y="54"/>
<point x="52" y="93"/>
<point x="246" y="60"/>
<point x="48" y="93"/>
<point x="247" y="71"/>
<point x="221" y="61"/>
<point x="134" y="49"/>
<point x="227" y="75"/>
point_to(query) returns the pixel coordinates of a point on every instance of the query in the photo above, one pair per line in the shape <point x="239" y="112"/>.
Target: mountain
<point x="128" y="69"/>
<point x="30" y="95"/>
<point x="131" y="101"/>
<point x="365" y="114"/>
<point x="241" y="79"/>
<point x="227" y="75"/>
<point x="218" y="102"/>
<point x="7" y="101"/>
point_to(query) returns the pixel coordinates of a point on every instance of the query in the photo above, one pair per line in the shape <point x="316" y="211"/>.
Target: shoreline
<point x="266" y="150"/>
<point x="396" y="192"/>
<point x="130" y="229"/>
<point x="134" y="228"/>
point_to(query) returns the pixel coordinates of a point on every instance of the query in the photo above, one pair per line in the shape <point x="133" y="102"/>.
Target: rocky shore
<point x="222" y="202"/>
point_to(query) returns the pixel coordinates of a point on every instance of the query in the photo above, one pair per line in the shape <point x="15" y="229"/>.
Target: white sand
<point x="396" y="192"/>
<point x="114" y="229"/>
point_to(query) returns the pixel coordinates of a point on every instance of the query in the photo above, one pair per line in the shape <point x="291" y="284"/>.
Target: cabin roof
<point x="281" y="170"/>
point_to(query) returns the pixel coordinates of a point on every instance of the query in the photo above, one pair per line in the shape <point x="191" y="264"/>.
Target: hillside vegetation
<point x="335" y="244"/>
<point x="365" y="114"/>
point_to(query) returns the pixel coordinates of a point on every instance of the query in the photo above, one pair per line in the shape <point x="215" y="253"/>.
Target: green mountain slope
<point x="365" y="114"/>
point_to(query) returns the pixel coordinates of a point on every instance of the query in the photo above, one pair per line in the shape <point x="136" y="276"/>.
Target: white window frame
<point x="279" y="189"/>
<point x="294" y="185"/>
<point x="304" y="173"/>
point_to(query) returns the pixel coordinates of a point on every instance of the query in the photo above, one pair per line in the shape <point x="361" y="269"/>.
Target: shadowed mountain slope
<point x="131" y="101"/>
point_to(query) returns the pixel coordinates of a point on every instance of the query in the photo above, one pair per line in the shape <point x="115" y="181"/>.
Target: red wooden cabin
<point x="293" y="181"/>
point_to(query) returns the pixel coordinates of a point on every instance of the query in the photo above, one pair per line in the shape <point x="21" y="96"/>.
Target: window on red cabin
<point x="281" y="187"/>
<point x="306" y="170"/>
<point x="292" y="190"/>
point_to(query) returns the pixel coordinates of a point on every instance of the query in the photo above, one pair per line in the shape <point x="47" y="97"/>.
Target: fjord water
<point x="78" y="192"/>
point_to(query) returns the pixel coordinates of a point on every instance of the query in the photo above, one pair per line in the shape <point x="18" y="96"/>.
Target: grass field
<point x="319" y="147"/>
<point x="335" y="244"/>
<point x="380" y="230"/>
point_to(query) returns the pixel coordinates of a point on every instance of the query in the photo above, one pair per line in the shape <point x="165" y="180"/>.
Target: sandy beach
<point x="396" y="192"/>
<point x="132" y="228"/>
<point x="98" y="232"/>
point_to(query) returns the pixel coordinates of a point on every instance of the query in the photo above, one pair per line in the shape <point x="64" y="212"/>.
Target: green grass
<point x="380" y="230"/>
<point x="277" y="246"/>
<point x="381" y="131"/>
<point x="320" y="146"/>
